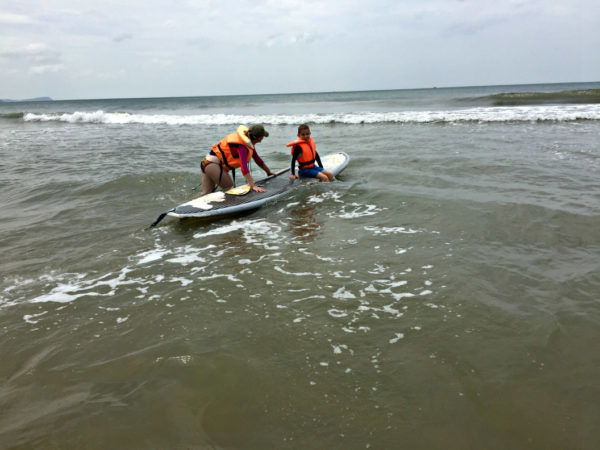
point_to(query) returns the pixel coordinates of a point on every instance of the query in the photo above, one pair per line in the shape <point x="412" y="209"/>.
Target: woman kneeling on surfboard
<point x="304" y="150"/>
<point x="233" y="151"/>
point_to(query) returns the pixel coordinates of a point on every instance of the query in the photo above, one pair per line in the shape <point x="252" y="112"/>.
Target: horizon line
<point x="50" y="99"/>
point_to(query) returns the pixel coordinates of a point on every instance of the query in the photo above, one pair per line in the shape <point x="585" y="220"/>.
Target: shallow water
<point x="443" y="293"/>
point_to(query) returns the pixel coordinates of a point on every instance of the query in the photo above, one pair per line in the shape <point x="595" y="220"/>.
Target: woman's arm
<point x="243" y="152"/>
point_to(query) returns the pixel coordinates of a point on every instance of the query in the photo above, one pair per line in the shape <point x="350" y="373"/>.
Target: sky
<point x="83" y="49"/>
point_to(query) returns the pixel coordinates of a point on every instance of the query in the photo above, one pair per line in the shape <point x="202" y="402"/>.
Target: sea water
<point x="443" y="292"/>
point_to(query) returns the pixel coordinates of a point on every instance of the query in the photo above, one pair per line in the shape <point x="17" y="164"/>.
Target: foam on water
<point x="29" y="318"/>
<point x="352" y="298"/>
<point x="76" y="286"/>
<point x="247" y="226"/>
<point x="557" y="113"/>
<point x="390" y="230"/>
<point x="152" y="255"/>
<point x="297" y="274"/>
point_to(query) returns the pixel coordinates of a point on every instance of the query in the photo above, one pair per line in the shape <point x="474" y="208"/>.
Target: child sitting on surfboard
<point x="304" y="150"/>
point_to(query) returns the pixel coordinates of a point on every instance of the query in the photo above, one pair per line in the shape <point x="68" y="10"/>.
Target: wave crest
<point x="556" y="113"/>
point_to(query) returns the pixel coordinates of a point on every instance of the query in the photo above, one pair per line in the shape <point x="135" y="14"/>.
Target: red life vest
<point x="230" y="156"/>
<point x="309" y="152"/>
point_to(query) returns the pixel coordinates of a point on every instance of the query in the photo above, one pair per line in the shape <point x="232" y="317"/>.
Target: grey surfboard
<point x="222" y="203"/>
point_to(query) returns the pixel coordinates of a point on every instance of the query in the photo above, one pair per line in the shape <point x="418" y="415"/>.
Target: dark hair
<point x="303" y="127"/>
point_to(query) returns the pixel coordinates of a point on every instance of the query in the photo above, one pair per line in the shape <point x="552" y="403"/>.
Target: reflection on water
<point x="303" y="221"/>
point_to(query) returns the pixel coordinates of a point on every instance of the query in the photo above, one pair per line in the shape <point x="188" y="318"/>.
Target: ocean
<point x="442" y="293"/>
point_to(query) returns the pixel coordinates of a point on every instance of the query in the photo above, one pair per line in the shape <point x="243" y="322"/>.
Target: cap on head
<point x="258" y="131"/>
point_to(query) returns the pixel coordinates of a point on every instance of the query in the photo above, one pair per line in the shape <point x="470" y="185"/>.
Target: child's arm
<point x="297" y="152"/>
<point x="318" y="159"/>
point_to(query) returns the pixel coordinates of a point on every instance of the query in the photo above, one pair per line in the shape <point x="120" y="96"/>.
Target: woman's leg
<point x="213" y="176"/>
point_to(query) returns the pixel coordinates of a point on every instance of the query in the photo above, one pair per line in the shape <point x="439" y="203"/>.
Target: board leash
<point x="161" y="217"/>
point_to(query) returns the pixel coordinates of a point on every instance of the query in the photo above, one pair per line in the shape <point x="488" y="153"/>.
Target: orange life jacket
<point x="309" y="152"/>
<point x="230" y="156"/>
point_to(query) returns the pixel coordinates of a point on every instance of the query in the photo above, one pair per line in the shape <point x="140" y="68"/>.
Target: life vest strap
<point x="227" y="164"/>
<point x="306" y="163"/>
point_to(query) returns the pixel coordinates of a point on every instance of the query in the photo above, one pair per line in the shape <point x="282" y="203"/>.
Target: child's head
<point x="304" y="132"/>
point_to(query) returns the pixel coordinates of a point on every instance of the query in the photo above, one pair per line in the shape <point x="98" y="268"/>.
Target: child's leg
<point x="325" y="175"/>
<point x="317" y="172"/>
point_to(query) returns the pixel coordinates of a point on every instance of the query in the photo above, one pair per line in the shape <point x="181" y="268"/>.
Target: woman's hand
<point x="256" y="188"/>
<point x="293" y="177"/>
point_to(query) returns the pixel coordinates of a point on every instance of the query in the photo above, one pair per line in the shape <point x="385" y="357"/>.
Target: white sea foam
<point x="561" y="113"/>
<point x="315" y="199"/>
<point x="184" y="281"/>
<point x="258" y="232"/>
<point x="244" y="261"/>
<point x="152" y="255"/>
<point x="308" y="298"/>
<point x="29" y="318"/>
<point x="297" y="274"/>
<point x="219" y="275"/>
<point x="233" y="226"/>
<point x="186" y="259"/>
<point x="71" y="290"/>
<point x="356" y="210"/>
<point x="61" y="294"/>
<point x="337" y="313"/>
<point x="388" y="309"/>
<point x="343" y="294"/>
<point x="390" y="230"/>
<point x="338" y="349"/>
<point x="397" y="338"/>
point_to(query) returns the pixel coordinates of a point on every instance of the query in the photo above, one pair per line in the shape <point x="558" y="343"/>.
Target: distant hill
<point x="36" y="99"/>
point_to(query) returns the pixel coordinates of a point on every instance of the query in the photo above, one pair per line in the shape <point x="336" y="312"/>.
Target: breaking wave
<point x="553" y="113"/>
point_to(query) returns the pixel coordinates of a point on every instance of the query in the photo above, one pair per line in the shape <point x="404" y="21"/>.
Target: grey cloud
<point x="122" y="37"/>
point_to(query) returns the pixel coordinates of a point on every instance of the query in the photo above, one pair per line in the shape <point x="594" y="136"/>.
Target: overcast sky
<point x="76" y="49"/>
